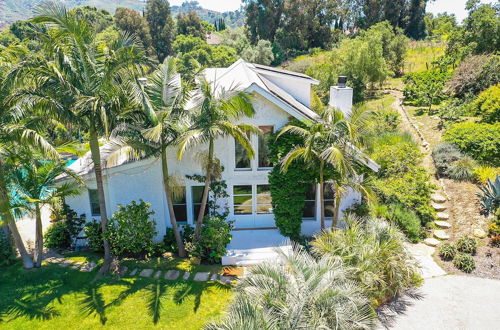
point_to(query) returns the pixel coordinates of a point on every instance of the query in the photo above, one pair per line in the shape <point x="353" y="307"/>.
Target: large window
<point x="264" y="153"/>
<point x="179" y="203"/>
<point x="242" y="161"/>
<point x="95" y="208"/>
<point x="264" y="200"/>
<point x="197" y="194"/>
<point x="242" y="199"/>
<point x="310" y="203"/>
<point x="328" y="201"/>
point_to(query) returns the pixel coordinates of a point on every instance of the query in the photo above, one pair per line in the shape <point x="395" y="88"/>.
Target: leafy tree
<point x="262" y="53"/>
<point x="34" y="184"/>
<point x="132" y="22"/>
<point x="214" y="110"/>
<point x="263" y="18"/>
<point x="161" y="26"/>
<point x="443" y="24"/>
<point x="100" y="19"/>
<point x="191" y="24"/>
<point x="89" y="89"/>
<point x="235" y="38"/>
<point x="425" y="88"/>
<point x="7" y="38"/>
<point x="415" y="27"/>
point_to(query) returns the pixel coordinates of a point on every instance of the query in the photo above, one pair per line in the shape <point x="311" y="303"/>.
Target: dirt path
<point x="462" y="204"/>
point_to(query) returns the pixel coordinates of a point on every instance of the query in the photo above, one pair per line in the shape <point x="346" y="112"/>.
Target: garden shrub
<point x="462" y="169"/>
<point x="7" y="256"/>
<point x="480" y="141"/>
<point x="215" y="236"/>
<point x="375" y="251"/>
<point x="444" y="155"/>
<point x="397" y="158"/>
<point x="93" y="232"/>
<point x="495" y="241"/>
<point x="487" y="105"/>
<point x="169" y="242"/>
<point x="66" y="226"/>
<point x="425" y="88"/>
<point x="447" y="251"/>
<point x="131" y="230"/>
<point x="464" y="262"/>
<point x="407" y="220"/>
<point x="483" y="173"/>
<point x="467" y="245"/>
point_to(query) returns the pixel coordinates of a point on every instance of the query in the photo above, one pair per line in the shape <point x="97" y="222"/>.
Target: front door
<point x="251" y="207"/>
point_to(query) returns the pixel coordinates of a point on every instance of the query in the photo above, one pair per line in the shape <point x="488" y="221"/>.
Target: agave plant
<point x="299" y="292"/>
<point x="489" y="196"/>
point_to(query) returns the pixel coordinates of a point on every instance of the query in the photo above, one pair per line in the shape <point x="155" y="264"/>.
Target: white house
<point x="277" y="96"/>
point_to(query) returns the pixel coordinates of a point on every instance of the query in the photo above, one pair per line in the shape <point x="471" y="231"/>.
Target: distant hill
<point x="13" y="10"/>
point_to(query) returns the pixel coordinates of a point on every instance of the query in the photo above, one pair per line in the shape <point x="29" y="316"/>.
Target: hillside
<point x="12" y="10"/>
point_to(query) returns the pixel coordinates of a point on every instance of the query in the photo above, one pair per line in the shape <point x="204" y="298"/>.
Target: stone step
<point x="432" y="241"/>
<point x="146" y="273"/>
<point x="172" y="275"/>
<point x="443" y="216"/>
<point x="438" y="207"/>
<point x="186" y="275"/>
<point x="441" y="234"/>
<point x="438" y="198"/>
<point x="201" y="276"/>
<point x="443" y="224"/>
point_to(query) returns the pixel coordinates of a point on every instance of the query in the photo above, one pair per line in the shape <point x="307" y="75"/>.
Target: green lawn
<point x="61" y="298"/>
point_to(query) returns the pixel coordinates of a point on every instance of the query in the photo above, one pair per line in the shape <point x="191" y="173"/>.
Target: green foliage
<point x="100" y="19"/>
<point x="7" y="38"/>
<point x="57" y="236"/>
<point x="489" y="196"/>
<point x="441" y="25"/>
<point x="467" y="245"/>
<point x="487" y="105"/>
<point x="375" y="250"/>
<point x="480" y="141"/>
<point x="262" y="53"/>
<point x="444" y="155"/>
<point x="462" y="169"/>
<point x="425" y="88"/>
<point x="93" y="232"/>
<point x="191" y="24"/>
<point x="131" y="229"/>
<point x="288" y="189"/>
<point x="400" y="157"/>
<point x="169" y="243"/>
<point x="161" y="26"/>
<point x="483" y="173"/>
<point x="66" y="226"/>
<point x="464" y="262"/>
<point x="7" y="256"/>
<point x="132" y="22"/>
<point x="406" y="220"/>
<point x="447" y="251"/>
<point x="215" y="236"/>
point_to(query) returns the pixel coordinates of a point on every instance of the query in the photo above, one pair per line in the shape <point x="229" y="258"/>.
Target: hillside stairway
<point x="440" y="234"/>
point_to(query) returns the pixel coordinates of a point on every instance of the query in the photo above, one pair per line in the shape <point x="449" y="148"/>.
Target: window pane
<point x="311" y="193"/>
<point x="196" y="210"/>
<point x="180" y="212"/>
<point x="240" y="156"/>
<point x="242" y="200"/>
<point x="328" y="193"/>
<point x="264" y="153"/>
<point x="263" y="194"/>
<point x="263" y="189"/>
<point x="309" y="209"/>
<point x="240" y="209"/>
<point x="197" y="192"/>
<point x="264" y="209"/>
<point x="328" y="208"/>
<point x="242" y="190"/>
<point x="94" y="202"/>
<point x="179" y="195"/>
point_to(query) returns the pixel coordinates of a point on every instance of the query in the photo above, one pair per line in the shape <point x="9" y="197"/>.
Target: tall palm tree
<point x="163" y="105"/>
<point x="34" y="184"/>
<point x="16" y="128"/>
<point x="298" y="291"/>
<point x="214" y="110"/>
<point x="83" y="84"/>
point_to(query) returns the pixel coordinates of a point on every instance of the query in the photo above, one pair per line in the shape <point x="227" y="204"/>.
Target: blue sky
<point x="456" y="7"/>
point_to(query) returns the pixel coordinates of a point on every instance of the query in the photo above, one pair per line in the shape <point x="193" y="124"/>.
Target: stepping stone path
<point x="438" y="207"/>
<point x="432" y="241"/>
<point x="443" y="224"/>
<point x="157" y="275"/>
<point x="146" y="273"/>
<point x="201" y="277"/>
<point x="79" y="265"/>
<point x="441" y="234"/>
<point x="443" y="216"/>
<point x="133" y="272"/>
<point x="186" y="275"/>
<point x="438" y="198"/>
<point x="172" y="275"/>
<point x="123" y="270"/>
<point x="213" y="277"/>
<point x="226" y="279"/>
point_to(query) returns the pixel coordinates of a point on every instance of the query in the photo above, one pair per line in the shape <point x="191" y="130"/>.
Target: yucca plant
<point x="489" y="196"/>
<point x="298" y="292"/>
<point x="375" y="250"/>
<point x="447" y="251"/>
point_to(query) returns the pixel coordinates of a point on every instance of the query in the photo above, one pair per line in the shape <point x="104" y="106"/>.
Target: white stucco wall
<point x="298" y="87"/>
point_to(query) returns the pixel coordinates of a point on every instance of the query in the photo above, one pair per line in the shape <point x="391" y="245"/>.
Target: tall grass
<point x="421" y="54"/>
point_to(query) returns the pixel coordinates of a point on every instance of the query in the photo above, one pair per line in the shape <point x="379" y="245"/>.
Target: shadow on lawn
<point x="37" y="289"/>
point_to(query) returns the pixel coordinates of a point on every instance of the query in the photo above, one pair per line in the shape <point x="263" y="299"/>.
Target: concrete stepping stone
<point x="54" y="260"/>
<point x="438" y="198"/>
<point x="157" y="275"/>
<point x="438" y="207"/>
<point x="77" y="265"/>
<point x="443" y="224"/>
<point x="441" y="234"/>
<point x="226" y="279"/>
<point x="432" y="241"/>
<point x="172" y="275"/>
<point x="133" y="272"/>
<point x="65" y="263"/>
<point x="213" y="277"/>
<point x="88" y="267"/>
<point x="201" y="277"/>
<point x="146" y="273"/>
<point x="123" y="270"/>
<point x="443" y="216"/>
<point x="186" y="275"/>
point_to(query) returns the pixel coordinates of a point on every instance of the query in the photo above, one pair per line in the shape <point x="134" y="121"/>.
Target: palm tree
<point x="16" y="128"/>
<point x="214" y="109"/>
<point x="83" y="84"/>
<point x="163" y="105"/>
<point x="298" y="292"/>
<point x="34" y="184"/>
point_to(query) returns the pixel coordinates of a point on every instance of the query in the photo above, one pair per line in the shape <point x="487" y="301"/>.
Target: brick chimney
<point x="341" y="96"/>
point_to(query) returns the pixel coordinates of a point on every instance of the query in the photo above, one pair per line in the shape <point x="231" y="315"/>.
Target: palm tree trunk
<point x="322" y="195"/>
<point x="9" y="219"/>
<point x="168" y="194"/>
<point x="336" y="208"/>
<point x="204" y="199"/>
<point x="96" y="158"/>
<point x="38" y="253"/>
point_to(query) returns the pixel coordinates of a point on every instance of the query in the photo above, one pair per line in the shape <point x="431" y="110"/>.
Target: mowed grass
<point x="421" y="54"/>
<point x="379" y="102"/>
<point x="55" y="297"/>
